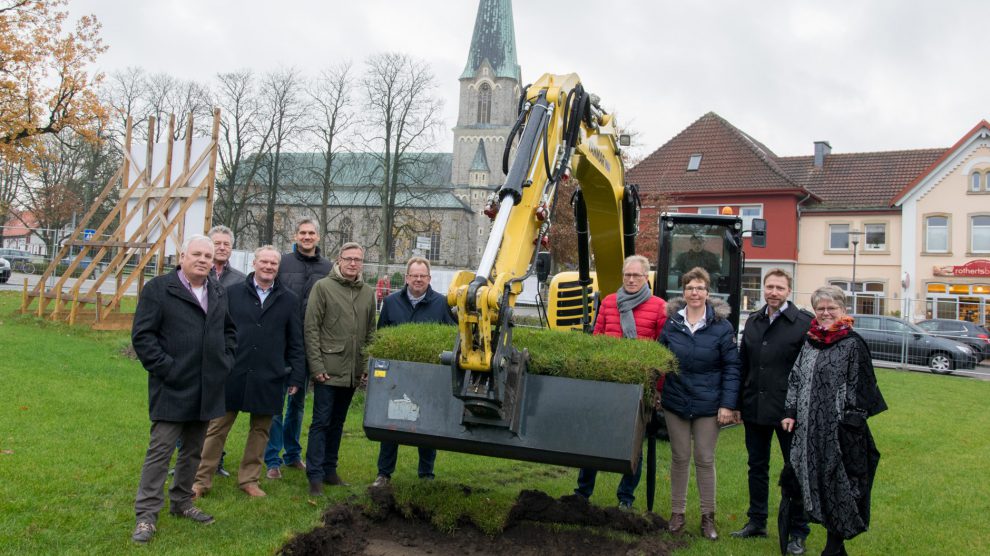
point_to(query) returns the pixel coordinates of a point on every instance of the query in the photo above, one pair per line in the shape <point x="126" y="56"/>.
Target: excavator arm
<point x="500" y="409"/>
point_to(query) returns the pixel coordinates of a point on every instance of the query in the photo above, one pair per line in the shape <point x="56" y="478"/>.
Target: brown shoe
<point x="252" y="489"/>
<point x="300" y="465"/>
<point x="316" y="488"/>
<point x="334" y="480"/>
<point x="676" y="524"/>
<point x="708" y="526"/>
<point x="273" y="473"/>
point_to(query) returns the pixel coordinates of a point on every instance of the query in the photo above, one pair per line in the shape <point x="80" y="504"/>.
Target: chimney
<point x="822" y="149"/>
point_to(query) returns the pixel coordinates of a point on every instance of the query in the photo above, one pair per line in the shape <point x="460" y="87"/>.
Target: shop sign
<point x="976" y="268"/>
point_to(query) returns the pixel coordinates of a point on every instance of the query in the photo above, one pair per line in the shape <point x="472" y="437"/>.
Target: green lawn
<point x="74" y="427"/>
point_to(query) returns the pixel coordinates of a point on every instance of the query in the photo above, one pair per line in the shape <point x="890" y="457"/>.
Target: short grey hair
<point x="418" y="260"/>
<point x="643" y="261"/>
<point x="195" y="237"/>
<point x="350" y="245"/>
<point x="309" y="221"/>
<point x="221" y="229"/>
<point x="830" y="293"/>
<point x="266" y="248"/>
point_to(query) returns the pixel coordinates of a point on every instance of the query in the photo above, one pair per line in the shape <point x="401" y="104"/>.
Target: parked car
<point x="969" y="333"/>
<point x="894" y="339"/>
<point x="22" y="261"/>
<point x="4" y="270"/>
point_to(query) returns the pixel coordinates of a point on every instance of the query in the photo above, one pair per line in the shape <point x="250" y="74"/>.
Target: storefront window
<point x="937" y="288"/>
<point x="959" y="289"/>
<point x="752" y="289"/>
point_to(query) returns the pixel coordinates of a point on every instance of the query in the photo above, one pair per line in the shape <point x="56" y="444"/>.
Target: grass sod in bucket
<point x="562" y="353"/>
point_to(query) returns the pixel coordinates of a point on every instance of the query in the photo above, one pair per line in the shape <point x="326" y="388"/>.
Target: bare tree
<point x="242" y="138"/>
<point x="11" y="184"/>
<point x="283" y="110"/>
<point x="330" y="94"/>
<point x="402" y="117"/>
<point x="48" y="192"/>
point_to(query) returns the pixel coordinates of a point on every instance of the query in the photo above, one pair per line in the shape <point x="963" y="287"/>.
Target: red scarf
<point x="831" y="334"/>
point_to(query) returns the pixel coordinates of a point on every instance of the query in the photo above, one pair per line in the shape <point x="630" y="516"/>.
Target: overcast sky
<point x="864" y="75"/>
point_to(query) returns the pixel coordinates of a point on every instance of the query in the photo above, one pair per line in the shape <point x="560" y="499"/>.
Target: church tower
<point x="489" y="99"/>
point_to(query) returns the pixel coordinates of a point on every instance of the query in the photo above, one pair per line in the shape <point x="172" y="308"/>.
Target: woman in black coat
<point x="701" y="396"/>
<point x="832" y="391"/>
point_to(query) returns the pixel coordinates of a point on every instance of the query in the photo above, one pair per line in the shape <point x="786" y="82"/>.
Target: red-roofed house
<point x="916" y="222"/>
<point x="713" y="164"/>
<point x="19" y="233"/>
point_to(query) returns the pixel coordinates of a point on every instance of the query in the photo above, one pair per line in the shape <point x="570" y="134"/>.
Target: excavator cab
<point x="712" y="242"/>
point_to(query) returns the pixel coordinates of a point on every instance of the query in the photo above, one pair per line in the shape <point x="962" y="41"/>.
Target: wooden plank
<point x="91" y="243"/>
<point x="212" y="175"/>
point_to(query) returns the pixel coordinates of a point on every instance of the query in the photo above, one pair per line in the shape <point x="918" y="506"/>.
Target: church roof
<point x="494" y="40"/>
<point x="425" y="180"/>
<point x="480" y="162"/>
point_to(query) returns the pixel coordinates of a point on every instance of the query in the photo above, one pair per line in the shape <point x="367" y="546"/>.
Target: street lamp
<point x="854" y="237"/>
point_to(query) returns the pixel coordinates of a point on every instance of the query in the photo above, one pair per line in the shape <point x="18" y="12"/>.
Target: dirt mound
<point x="382" y="530"/>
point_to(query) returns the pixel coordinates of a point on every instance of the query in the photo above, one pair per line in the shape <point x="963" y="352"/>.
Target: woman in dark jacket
<point x="701" y="396"/>
<point x="832" y="390"/>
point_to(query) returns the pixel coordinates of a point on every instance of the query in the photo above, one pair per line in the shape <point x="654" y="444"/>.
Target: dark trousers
<point x="330" y="404"/>
<point x="164" y="434"/>
<point x="388" y="454"/>
<point x="285" y="433"/>
<point x="626" y="492"/>
<point x="758" y="440"/>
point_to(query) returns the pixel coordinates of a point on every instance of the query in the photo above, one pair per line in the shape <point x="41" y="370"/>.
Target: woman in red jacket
<point x="632" y="312"/>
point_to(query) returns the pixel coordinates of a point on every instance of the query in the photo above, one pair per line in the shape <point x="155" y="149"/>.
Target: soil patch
<point x="382" y="530"/>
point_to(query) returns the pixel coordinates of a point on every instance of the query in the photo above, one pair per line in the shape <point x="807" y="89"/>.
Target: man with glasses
<point x="771" y="341"/>
<point x="340" y="321"/>
<point x="415" y="302"/>
<point x="298" y="270"/>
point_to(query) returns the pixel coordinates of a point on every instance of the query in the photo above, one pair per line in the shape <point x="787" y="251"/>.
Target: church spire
<point x="494" y="40"/>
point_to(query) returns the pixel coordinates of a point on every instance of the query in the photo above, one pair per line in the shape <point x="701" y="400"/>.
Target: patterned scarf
<point x="831" y="334"/>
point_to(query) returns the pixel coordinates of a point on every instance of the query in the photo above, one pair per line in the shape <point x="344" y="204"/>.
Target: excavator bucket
<point x="561" y="421"/>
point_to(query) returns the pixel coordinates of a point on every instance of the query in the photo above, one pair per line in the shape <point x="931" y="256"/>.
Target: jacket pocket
<point x="333" y="357"/>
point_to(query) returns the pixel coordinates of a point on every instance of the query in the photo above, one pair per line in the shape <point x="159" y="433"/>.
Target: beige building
<point x="946" y="232"/>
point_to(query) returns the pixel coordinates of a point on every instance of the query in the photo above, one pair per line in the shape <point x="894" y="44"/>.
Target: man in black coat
<point x="415" y="302"/>
<point x="185" y="339"/>
<point x="298" y="271"/>
<point x="270" y="356"/>
<point x="771" y="341"/>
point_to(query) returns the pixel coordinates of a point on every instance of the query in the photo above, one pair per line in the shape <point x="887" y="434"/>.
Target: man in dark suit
<point x="269" y="344"/>
<point x="771" y="341"/>
<point x="185" y="339"/>
<point x="415" y="302"/>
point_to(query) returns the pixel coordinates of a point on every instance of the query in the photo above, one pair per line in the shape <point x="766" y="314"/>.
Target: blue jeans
<point x="389" y="453"/>
<point x="627" y="486"/>
<point x="285" y="434"/>
<point x="330" y="404"/>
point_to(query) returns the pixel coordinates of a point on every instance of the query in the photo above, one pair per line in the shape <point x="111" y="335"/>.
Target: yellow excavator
<point x="480" y="398"/>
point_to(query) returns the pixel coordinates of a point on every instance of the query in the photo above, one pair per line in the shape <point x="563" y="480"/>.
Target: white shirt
<point x="692" y="328"/>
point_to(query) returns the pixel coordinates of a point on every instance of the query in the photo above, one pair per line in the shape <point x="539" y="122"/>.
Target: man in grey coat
<point x="185" y="339"/>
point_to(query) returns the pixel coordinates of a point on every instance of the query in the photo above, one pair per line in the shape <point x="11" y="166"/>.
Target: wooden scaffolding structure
<point x="153" y="207"/>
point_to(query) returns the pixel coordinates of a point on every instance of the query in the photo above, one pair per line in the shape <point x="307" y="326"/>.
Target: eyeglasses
<point x="696" y="288"/>
<point x="629" y="275"/>
<point x="352" y="260"/>
<point x="831" y="310"/>
<point x="417" y="276"/>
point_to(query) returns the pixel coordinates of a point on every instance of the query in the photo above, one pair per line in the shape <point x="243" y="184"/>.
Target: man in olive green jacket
<point x="340" y="321"/>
